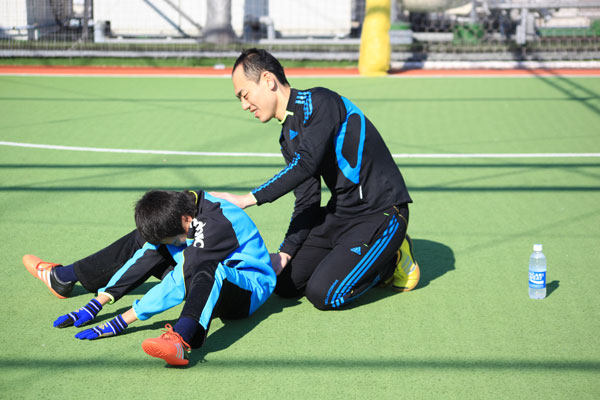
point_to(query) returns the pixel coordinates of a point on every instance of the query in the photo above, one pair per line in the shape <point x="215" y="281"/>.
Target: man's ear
<point x="269" y="80"/>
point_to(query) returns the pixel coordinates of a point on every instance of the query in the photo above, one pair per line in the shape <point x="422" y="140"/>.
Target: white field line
<point x="107" y="75"/>
<point x="136" y="151"/>
<point x="227" y="154"/>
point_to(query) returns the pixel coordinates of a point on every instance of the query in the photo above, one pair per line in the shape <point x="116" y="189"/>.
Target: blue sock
<point x="66" y="274"/>
<point x="187" y="328"/>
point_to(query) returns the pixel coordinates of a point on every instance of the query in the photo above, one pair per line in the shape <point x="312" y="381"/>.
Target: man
<point x="332" y="254"/>
<point x="206" y="251"/>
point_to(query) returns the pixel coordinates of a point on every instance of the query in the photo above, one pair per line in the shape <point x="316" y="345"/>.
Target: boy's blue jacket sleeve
<point x="167" y="294"/>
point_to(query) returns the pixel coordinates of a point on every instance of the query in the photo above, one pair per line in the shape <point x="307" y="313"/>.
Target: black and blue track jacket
<point x="324" y="135"/>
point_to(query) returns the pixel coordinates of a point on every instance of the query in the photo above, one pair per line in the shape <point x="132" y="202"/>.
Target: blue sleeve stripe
<point x="136" y="256"/>
<point x="280" y="174"/>
<point x="306" y="99"/>
<point x="353" y="174"/>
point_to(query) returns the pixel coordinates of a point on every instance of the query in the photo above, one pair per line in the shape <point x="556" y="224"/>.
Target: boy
<point x="206" y="251"/>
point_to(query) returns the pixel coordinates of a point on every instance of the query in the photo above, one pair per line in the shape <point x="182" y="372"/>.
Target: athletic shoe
<point x="407" y="273"/>
<point x="169" y="346"/>
<point x="44" y="271"/>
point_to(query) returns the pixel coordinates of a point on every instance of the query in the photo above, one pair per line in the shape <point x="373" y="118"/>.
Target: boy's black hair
<point x="158" y="214"/>
<point x="255" y="61"/>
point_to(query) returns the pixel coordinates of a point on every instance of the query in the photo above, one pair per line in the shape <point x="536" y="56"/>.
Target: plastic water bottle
<point x="537" y="273"/>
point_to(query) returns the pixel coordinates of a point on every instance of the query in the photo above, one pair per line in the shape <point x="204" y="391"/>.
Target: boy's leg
<point x="233" y="303"/>
<point x="203" y="284"/>
<point x="145" y="263"/>
<point x="210" y="293"/>
<point x="361" y="258"/>
<point x="176" y="342"/>
<point x="95" y="271"/>
<point x="228" y="293"/>
<point x="207" y="293"/>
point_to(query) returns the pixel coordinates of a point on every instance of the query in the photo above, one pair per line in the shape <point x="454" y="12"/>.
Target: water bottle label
<point x="537" y="280"/>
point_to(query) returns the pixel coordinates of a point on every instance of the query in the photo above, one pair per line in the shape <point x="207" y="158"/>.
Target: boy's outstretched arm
<point x="83" y="315"/>
<point x="168" y="293"/>
<point x="113" y="327"/>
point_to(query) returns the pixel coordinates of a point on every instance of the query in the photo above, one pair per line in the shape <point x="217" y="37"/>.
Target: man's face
<point x="258" y="98"/>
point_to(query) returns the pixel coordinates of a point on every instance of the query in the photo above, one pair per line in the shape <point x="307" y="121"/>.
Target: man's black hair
<point x="255" y="61"/>
<point x="158" y="214"/>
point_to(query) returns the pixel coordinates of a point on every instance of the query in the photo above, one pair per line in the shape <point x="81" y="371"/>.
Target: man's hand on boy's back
<point x="242" y="201"/>
<point x="279" y="261"/>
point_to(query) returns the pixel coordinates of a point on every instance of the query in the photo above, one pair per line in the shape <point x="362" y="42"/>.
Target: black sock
<point x="187" y="327"/>
<point x="65" y="274"/>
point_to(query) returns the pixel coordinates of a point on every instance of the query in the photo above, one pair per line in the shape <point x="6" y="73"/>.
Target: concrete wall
<point x="17" y="15"/>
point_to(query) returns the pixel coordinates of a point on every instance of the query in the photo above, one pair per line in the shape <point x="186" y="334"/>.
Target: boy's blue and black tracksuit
<point x="341" y="250"/>
<point x="224" y="270"/>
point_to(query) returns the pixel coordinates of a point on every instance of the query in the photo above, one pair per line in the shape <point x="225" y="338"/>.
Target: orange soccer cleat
<point x="169" y="346"/>
<point x="44" y="271"/>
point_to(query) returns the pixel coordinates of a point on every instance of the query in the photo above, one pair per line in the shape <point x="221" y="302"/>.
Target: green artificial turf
<point x="469" y="330"/>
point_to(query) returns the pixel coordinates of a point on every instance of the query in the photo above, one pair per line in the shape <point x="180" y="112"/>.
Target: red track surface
<point x="208" y="71"/>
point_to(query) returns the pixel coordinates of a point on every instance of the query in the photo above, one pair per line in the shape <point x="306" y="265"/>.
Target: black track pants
<point x="95" y="271"/>
<point x="342" y="258"/>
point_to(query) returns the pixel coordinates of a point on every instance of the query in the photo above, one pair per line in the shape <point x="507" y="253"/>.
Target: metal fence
<point x="312" y="29"/>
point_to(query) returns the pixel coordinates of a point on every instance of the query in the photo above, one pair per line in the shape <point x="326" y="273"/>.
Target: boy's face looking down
<point x="179" y="240"/>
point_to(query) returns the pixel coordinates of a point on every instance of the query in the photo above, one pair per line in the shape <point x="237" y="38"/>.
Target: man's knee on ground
<point x="318" y="297"/>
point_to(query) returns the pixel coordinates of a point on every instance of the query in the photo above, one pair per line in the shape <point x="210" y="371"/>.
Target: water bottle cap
<point x="537" y="247"/>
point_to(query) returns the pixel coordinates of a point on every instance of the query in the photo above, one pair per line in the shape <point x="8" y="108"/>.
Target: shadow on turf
<point x="327" y="365"/>
<point x="233" y="330"/>
<point x="575" y="91"/>
<point x="220" y="339"/>
<point x="434" y="259"/>
<point x="245" y="188"/>
<point x="551" y="287"/>
<point x="120" y="168"/>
